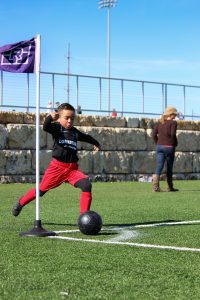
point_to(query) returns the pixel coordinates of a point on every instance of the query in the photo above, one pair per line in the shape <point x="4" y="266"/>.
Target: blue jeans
<point x="164" y="154"/>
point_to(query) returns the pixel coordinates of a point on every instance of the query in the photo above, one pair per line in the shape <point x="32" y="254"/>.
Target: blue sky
<point x="156" y="40"/>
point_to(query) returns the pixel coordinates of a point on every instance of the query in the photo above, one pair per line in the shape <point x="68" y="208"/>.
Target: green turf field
<point x="120" y="262"/>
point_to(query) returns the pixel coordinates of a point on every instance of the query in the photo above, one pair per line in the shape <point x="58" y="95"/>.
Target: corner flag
<point x="19" y="57"/>
<point x="24" y="57"/>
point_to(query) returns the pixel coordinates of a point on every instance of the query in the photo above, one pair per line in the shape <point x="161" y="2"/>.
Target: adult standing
<point x="164" y="136"/>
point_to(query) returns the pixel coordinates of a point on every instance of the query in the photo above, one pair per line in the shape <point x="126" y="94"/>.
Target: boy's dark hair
<point x="66" y="106"/>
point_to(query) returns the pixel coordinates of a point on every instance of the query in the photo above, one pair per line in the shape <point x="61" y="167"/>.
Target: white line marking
<point x="138" y="226"/>
<point x="166" y="224"/>
<point x="64" y="293"/>
<point x="127" y="244"/>
<point x="127" y="234"/>
<point x="124" y="235"/>
<point x="67" y="231"/>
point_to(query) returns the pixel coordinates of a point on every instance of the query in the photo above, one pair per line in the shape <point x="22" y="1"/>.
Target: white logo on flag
<point x="17" y="56"/>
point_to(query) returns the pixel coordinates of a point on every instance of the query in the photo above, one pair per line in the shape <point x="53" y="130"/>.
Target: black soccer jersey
<point x="65" y="140"/>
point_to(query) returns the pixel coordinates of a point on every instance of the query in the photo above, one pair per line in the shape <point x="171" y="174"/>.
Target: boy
<point x="63" y="166"/>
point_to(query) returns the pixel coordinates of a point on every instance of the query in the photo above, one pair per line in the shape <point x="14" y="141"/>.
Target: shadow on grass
<point x="60" y="224"/>
<point x="114" y="224"/>
<point x="189" y="190"/>
<point x="122" y="225"/>
<point x="157" y="223"/>
<point x="140" y="223"/>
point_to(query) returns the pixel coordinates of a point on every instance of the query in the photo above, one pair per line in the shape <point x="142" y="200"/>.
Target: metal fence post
<point x="100" y="100"/>
<point x="28" y="100"/>
<point x="165" y="95"/>
<point x="77" y="91"/>
<point x="142" y="96"/>
<point x="122" y="89"/>
<point x="184" y="99"/>
<point x="53" y="89"/>
<point x="1" y="87"/>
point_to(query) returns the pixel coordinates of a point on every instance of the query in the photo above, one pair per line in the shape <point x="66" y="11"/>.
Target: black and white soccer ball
<point x="90" y="222"/>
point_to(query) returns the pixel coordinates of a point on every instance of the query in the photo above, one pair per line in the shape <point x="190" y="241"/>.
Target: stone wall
<point x="128" y="152"/>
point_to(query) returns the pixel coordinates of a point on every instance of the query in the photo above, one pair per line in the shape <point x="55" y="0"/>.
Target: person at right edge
<point x="164" y="136"/>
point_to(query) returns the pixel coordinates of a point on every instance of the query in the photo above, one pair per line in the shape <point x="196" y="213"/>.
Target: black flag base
<point x="38" y="230"/>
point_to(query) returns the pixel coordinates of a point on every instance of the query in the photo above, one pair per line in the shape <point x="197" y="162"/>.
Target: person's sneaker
<point x="156" y="189"/>
<point x="17" y="209"/>
<point x="172" y="189"/>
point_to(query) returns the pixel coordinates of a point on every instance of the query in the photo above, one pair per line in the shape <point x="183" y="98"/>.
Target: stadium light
<point x="108" y="4"/>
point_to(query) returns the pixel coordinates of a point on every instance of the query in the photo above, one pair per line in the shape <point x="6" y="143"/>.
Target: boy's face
<point x="66" y="118"/>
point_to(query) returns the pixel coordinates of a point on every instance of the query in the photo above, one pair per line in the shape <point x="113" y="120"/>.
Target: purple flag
<point x="18" y="57"/>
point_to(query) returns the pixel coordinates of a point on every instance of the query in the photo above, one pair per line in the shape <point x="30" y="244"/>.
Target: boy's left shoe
<point x="17" y="209"/>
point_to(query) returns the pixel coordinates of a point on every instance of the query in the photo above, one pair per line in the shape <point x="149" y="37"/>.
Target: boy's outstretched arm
<point x="88" y="139"/>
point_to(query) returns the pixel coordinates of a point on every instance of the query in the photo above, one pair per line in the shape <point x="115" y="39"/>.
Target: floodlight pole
<point x="68" y="71"/>
<point x="108" y="4"/>
<point x="108" y="60"/>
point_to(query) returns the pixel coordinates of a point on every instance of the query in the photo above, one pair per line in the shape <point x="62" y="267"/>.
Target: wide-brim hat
<point x="170" y="110"/>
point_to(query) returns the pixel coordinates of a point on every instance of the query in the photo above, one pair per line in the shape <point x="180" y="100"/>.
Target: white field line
<point x="67" y="231"/>
<point x="139" y="226"/>
<point x="124" y="235"/>
<point x="127" y="244"/>
<point x="127" y="234"/>
<point x="166" y="224"/>
<point x="64" y="293"/>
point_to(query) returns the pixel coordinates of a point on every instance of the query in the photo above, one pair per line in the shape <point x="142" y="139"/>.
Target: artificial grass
<point x="44" y="268"/>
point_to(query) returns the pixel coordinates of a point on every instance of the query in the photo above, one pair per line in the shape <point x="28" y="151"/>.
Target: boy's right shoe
<point x="17" y="209"/>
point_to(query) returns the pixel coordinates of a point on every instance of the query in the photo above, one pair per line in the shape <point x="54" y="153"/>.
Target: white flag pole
<point x="37" y="71"/>
<point x="38" y="230"/>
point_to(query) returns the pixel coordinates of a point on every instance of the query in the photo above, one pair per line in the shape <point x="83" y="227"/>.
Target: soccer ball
<point x="90" y="222"/>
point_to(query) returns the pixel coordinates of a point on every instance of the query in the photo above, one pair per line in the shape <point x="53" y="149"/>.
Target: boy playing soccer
<point x="63" y="166"/>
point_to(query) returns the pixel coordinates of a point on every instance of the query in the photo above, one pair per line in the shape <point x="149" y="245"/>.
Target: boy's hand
<point x="96" y="148"/>
<point x="54" y="115"/>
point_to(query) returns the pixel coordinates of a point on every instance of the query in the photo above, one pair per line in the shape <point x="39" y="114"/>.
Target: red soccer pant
<point x="57" y="173"/>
